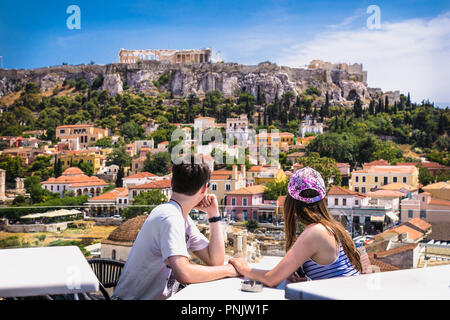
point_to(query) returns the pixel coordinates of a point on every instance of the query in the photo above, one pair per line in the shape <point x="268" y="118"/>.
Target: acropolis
<point x="173" y="56"/>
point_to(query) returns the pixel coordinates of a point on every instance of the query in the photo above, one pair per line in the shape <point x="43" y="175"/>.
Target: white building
<point x="310" y="126"/>
<point x="139" y="178"/>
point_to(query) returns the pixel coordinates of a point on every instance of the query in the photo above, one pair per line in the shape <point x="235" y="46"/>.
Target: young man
<point x="159" y="260"/>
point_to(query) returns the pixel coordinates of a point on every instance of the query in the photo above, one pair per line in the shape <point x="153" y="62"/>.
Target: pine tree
<point x="357" y="108"/>
<point x="372" y="107"/>
<point x="408" y="101"/>
<point x="119" y="179"/>
<point x="380" y="106"/>
<point x="386" y="104"/>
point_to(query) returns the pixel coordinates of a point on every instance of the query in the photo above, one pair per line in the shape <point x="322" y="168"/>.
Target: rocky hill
<point x="343" y="82"/>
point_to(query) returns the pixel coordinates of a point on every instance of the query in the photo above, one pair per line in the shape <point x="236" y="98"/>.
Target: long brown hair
<point x="316" y="213"/>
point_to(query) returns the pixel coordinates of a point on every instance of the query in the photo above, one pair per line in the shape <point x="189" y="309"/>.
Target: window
<point x="125" y="201"/>
<point x="363" y="179"/>
<point x="404" y="179"/>
<point x="385" y="180"/>
<point x="214" y="187"/>
<point x="344" y="202"/>
<point x="228" y="187"/>
<point x="423" y="213"/>
<point x="356" y="202"/>
<point x="394" y="179"/>
<point x="336" y="201"/>
<point x="62" y="131"/>
<point x="363" y="189"/>
<point x="356" y="179"/>
<point x="410" y="213"/>
<point x="244" y="201"/>
<point x="233" y="201"/>
<point x="356" y="189"/>
<point x="120" y="201"/>
<point x="376" y="179"/>
<point x="113" y="255"/>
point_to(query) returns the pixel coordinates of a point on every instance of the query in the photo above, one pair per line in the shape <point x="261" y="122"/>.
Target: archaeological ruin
<point x="172" y="56"/>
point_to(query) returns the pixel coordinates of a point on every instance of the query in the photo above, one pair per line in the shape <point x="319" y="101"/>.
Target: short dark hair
<point x="188" y="178"/>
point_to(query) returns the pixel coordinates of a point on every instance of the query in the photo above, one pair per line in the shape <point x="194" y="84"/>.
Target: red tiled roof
<point x="382" y="265"/>
<point x="397" y="250"/>
<point x="74" y="177"/>
<point x="111" y="195"/>
<point x="419" y="223"/>
<point x="385" y="194"/>
<point x="156" y="184"/>
<point x="248" y="190"/>
<point x="336" y="190"/>
<point x="141" y="175"/>
<point x="439" y="202"/>
<point x="255" y="169"/>
<point x="380" y="162"/>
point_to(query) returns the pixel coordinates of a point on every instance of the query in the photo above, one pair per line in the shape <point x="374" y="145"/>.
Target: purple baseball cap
<point x="306" y="178"/>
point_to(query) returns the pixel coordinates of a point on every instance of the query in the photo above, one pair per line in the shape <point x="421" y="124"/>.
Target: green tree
<point x="144" y="202"/>
<point x="325" y="166"/>
<point x="118" y="156"/>
<point x="158" y="163"/>
<point x="275" y="188"/>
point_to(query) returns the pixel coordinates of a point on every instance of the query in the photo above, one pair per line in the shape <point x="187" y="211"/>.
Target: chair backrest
<point x="107" y="270"/>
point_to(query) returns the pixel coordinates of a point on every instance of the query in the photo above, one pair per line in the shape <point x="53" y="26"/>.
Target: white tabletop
<point x="411" y="284"/>
<point x="45" y="270"/>
<point x="230" y="288"/>
<point x="225" y="289"/>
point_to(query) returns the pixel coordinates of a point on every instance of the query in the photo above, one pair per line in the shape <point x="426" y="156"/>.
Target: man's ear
<point x="204" y="189"/>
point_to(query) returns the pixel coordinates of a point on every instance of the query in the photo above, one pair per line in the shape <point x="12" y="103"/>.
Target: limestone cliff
<point x="343" y="83"/>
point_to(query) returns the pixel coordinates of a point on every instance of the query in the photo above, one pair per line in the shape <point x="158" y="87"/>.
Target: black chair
<point x="108" y="272"/>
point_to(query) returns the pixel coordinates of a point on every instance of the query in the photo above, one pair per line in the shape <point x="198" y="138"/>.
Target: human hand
<point x="209" y="205"/>
<point x="233" y="271"/>
<point x="295" y="278"/>
<point x="241" y="265"/>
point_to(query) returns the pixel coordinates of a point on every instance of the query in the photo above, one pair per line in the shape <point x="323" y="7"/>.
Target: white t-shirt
<point x="165" y="233"/>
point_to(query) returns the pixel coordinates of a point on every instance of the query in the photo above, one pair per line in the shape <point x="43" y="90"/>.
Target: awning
<point x="392" y="216"/>
<point x="376" y="218"/>
<point x="51" y="214"/>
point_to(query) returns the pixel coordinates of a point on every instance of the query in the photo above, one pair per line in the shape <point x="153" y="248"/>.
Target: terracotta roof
<point x="155" y="184"/>
<point x="419" y="223"/>
<point x="439" y="202"/>
<point x="141" y="175"/>
<point x="397" y="250"/>
<point x="437" y="186"/>
<point x="248" y="190"/>
<point x="255" y="169"/>
<point x="382" y="265"/>
<point x="75" y="126"/>
<point x="376" y="246"/>
<point x="428" y="164"/>
<point x="342" y="164"/>
<point x="128" y="230"/>
<point x="336" y="190"/>
<point x="380" y="162"/>
<point x="74" y="177"/>
<point x="397" y="186"/>
<point x="413" y="232"/>
<point x="386" y="169"/>
<point x="385" y="194"/>
<point x="72" y="171"/>
<point x="111" y="195"/>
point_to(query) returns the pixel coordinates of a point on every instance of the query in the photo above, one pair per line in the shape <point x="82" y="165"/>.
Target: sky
<point x="409" y="50"/>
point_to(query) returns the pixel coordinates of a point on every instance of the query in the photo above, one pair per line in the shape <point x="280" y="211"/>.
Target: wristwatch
<point x="214" y="219"/>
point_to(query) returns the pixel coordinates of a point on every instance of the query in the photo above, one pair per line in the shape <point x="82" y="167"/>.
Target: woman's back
<point x="330" y="261"/>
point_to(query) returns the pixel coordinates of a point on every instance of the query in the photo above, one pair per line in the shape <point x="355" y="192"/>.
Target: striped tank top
<point x="341" y="267"/>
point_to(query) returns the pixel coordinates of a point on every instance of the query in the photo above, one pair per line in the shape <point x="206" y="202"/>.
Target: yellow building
<point x="70" y="157"/>
<point x="223" y="181"/>
<point x="280" y="138"/>
<point x="267" y="176"/>
<point x="85" y="134"/>
<point x="373" y="177"/>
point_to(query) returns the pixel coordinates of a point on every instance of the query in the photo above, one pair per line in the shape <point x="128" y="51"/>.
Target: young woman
<point x="323" y="250"/>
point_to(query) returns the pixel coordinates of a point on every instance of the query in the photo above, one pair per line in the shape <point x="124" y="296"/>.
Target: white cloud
<point x="410" y="56"/>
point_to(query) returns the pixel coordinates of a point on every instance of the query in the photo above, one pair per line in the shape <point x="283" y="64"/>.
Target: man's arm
<point x="187" y="273"/>
<point x="214" y="253"/>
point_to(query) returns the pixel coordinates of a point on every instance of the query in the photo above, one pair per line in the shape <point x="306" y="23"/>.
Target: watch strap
<point x="214" y="219"/>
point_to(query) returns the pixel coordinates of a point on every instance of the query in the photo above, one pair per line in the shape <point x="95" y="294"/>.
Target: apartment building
<point x="86" y="134"/>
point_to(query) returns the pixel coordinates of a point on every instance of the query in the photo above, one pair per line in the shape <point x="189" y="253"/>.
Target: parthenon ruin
<point x="173" y="56"/>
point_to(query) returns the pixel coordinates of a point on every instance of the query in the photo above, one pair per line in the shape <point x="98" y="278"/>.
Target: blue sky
<point x="409" y="53"/>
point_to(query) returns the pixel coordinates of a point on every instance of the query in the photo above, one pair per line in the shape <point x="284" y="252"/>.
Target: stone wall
<point x="51" y="227"/>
